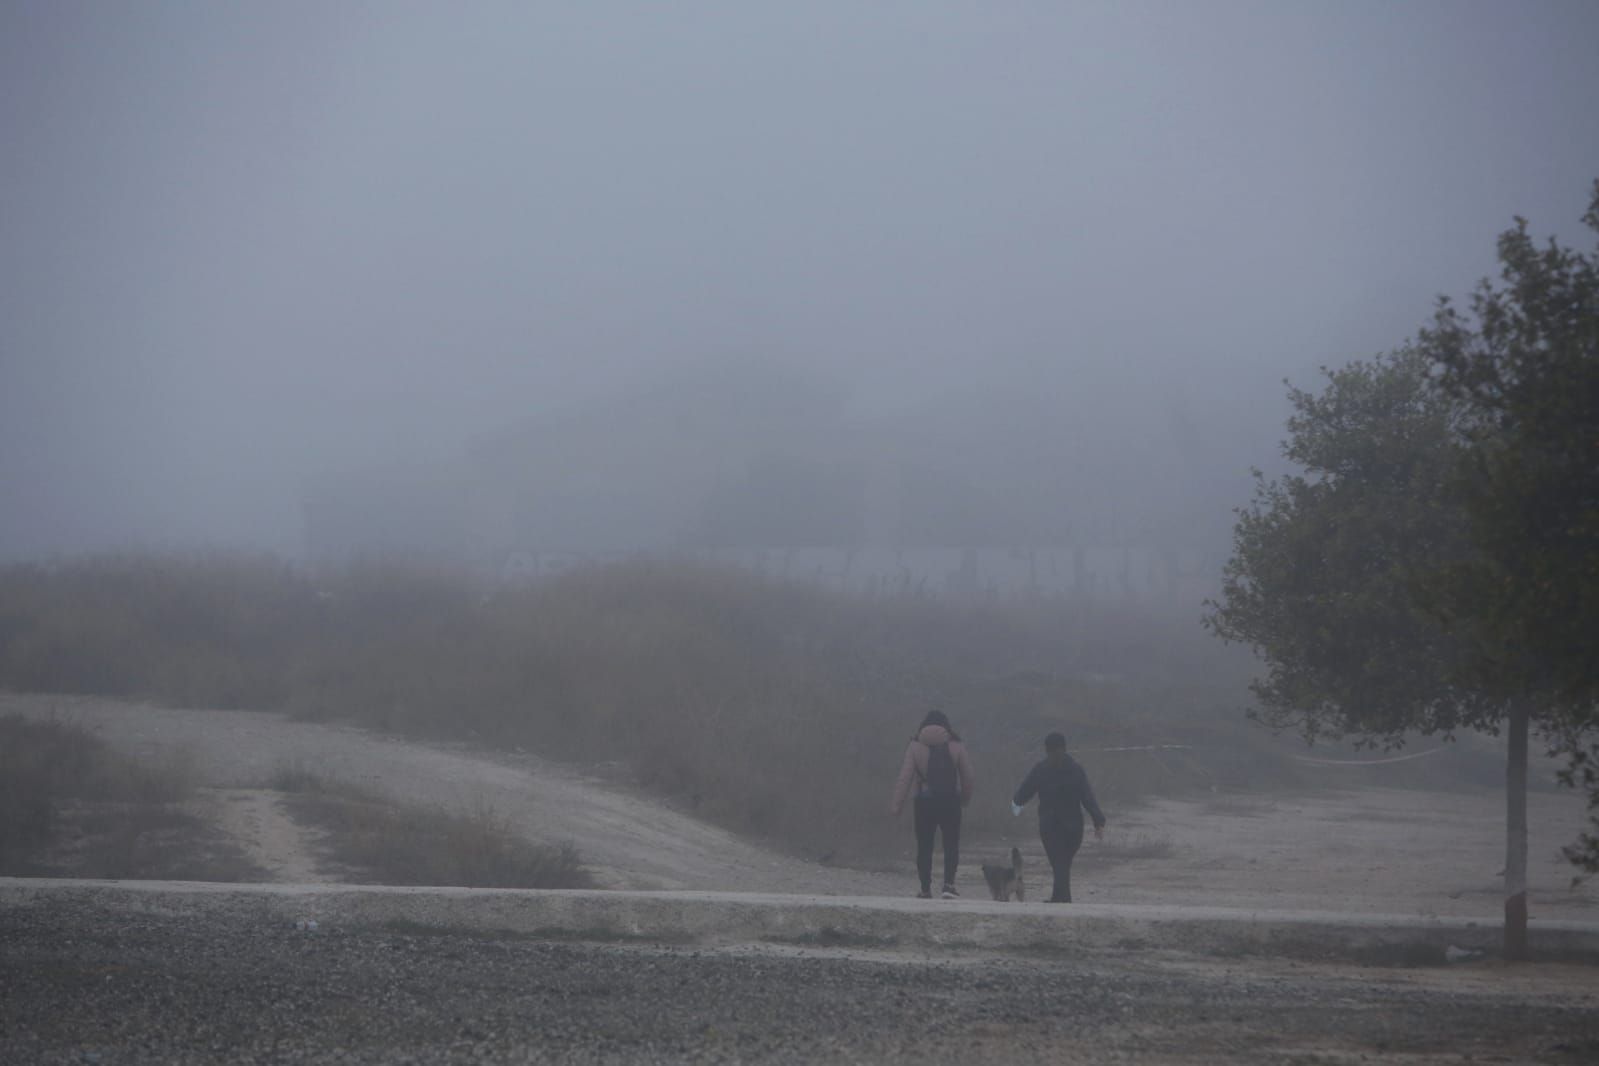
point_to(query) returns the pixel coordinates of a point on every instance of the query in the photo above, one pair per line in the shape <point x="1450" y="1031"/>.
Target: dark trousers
<point x="1061" y="841"/>
<point x="937" y="814"/>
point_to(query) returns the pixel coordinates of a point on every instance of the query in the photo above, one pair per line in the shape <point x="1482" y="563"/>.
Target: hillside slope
<point x="1372" y="850"/>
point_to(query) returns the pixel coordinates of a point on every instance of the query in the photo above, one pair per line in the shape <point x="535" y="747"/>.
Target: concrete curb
<point x="842" y="921"/>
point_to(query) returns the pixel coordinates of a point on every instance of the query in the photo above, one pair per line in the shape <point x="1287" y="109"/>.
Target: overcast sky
<point x="242" y="245"/>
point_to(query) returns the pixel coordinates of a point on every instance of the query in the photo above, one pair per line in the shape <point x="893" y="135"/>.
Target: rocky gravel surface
<point x="82" y="983"/>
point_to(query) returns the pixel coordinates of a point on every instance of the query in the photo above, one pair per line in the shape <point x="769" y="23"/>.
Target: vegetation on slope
<point x="776" y="709"/>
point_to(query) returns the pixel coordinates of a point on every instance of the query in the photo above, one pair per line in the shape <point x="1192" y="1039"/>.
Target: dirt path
<point x="628" y="841"/>
<point x="1378" y="851"/>
<point x="269" y="836"/>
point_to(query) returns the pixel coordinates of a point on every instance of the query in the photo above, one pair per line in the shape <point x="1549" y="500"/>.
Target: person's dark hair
<point x="937" y="717"/>
<point x="1054" y="742"/>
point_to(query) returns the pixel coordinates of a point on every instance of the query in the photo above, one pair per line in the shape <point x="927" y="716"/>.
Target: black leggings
<point x="1061" y="841"/>
<point x="937" y="814"/>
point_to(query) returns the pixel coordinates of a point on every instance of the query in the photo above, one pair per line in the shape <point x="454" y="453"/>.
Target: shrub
<point x="392" y="844"/>
<point x="70" y="806"/>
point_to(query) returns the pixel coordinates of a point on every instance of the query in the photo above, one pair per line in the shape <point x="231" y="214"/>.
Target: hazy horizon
<point x="250" y="247"/>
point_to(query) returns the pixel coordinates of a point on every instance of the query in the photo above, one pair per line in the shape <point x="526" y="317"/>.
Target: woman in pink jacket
<point x="937" y="767"/>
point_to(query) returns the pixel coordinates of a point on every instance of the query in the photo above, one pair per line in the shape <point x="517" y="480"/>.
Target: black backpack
<point x="941" y="779"/>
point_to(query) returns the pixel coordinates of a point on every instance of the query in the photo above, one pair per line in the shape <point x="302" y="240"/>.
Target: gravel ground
<point x="80" y="983"/>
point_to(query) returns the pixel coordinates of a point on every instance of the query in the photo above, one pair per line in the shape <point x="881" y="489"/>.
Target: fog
<point x="256" y="255"/>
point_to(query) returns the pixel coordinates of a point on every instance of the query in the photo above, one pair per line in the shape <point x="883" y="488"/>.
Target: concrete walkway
<point x="717" y="918"/>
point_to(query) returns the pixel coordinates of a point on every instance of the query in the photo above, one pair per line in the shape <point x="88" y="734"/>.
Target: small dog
<point x="1005" y="881"/>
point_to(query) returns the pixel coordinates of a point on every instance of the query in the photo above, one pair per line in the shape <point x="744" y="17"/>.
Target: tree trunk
<point x="1516" y="836"/>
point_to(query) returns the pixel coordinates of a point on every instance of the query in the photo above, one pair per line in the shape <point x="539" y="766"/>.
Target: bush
<point x="70" y="806"/>
<point x="199" y="631"/>
<point x="384" y="843"/>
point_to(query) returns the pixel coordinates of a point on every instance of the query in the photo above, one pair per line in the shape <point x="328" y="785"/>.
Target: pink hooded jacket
<point x="914" y="769"/>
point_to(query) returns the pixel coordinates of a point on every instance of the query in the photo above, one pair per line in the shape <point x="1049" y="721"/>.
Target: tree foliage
<point x="1435" y="561"/>
<point x="1326" y="562"/>
<point x="1524" y="362"/>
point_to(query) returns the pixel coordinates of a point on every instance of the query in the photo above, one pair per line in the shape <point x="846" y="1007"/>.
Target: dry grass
<point x="198" y="631"/>
<point x="379" y="842"/>
<point x="71" y="807"/>
<point x="775" y="709"/>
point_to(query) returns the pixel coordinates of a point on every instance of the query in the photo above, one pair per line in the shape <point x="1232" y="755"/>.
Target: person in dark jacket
<point x="1063" y="792"/>
<point x="938" y="772"/>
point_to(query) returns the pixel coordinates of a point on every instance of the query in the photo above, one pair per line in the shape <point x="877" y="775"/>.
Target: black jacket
<point x="1063" y="791"/>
